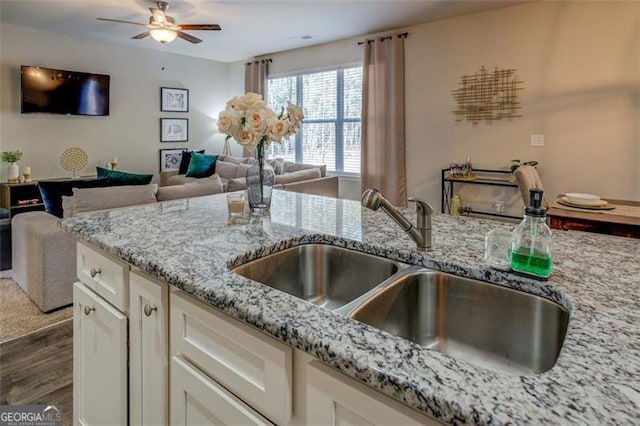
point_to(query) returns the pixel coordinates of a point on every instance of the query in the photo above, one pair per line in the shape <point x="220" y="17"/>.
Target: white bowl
<point x="584" y="199"/>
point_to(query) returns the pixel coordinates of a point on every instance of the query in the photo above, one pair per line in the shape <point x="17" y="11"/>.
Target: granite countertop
<point x="191" y="244"/>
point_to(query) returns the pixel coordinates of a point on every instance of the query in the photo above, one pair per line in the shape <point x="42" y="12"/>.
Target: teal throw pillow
<point x="117" y="177"/>
<point x="201" y="165"/>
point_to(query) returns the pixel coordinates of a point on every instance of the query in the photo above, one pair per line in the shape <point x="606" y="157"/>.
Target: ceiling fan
<point x="163" y="27"/>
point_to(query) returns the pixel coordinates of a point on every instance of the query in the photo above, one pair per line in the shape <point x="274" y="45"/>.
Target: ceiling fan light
<point x="163" y="35"/>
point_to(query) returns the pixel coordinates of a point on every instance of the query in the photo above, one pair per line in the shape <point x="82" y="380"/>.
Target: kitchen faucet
<point x="421" y="233"/>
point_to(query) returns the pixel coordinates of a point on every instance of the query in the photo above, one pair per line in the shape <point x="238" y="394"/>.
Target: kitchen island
<point x="191" y="245"/>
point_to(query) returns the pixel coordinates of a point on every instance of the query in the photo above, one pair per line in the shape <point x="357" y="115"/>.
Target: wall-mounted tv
<point x="54" y="91"/>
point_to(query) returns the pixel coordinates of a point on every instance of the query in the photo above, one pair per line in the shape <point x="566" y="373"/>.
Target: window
<point x="330" y="132"/>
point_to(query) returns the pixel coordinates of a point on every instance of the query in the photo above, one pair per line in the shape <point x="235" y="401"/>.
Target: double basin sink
<point x="485" y="324"/>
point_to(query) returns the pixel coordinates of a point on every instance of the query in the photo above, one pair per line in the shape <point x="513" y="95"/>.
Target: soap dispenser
<point x="531" y="244"/>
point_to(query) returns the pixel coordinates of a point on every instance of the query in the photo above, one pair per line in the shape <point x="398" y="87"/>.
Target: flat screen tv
<point x="54" y="91"/>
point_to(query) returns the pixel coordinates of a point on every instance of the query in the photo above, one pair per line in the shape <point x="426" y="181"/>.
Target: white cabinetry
<point x="109" y="347"/>
<point x="251" y="365"/>
<point x="149" y="350"/>
<point x="99" y="360"/>
<point x="221" y="371"/>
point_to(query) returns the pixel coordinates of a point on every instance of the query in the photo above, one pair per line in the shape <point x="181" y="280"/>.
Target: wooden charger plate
<point x="605" y="206"/>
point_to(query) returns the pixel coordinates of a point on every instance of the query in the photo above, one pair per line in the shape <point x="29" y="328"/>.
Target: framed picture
<point x="174" y="129"/>
<point x="170" y="159"/>
<point x="174" y="100"/>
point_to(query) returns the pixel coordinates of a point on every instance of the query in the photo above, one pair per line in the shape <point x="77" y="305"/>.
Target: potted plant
<point x="11" y="157"/>
<point x="515" y="163"/>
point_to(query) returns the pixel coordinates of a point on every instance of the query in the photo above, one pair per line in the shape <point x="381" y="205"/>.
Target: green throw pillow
<point x="201" y="165"/>
<point x="117" y="177"/>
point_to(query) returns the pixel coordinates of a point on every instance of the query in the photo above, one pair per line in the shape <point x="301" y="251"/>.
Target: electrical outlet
<point x="537" y="140"/>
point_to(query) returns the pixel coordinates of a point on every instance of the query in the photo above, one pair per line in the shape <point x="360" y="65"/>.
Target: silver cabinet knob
<point x="93" y="272"/>
<point x="88" y="309"/>
<point x="148" y="309"/>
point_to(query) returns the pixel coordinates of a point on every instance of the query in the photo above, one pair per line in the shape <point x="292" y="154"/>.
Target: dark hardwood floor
<point x="38" y="369"/>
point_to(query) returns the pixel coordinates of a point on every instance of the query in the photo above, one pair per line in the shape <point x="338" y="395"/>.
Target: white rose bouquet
<point x="249" y="121"/>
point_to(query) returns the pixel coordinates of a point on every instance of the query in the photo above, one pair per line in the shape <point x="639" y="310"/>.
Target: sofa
<point x="290" y="176"/>
<point x="44" y="260"/>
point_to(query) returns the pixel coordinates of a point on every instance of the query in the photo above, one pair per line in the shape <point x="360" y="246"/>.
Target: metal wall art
<point x="487" y="96"/>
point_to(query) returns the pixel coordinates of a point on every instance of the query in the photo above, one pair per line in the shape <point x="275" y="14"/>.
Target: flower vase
<point x="260" y="179"/>
<point x="13" y="172"/>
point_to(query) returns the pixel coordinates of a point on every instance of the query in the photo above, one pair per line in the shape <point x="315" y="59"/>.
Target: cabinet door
<point x="335" y="399"/>
<point x="196" y="399"/>
<point x="99" y="360"/>
<point x="149" y="350"/>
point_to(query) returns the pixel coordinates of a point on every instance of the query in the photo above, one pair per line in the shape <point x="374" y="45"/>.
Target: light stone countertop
<point x="596" y="380"/>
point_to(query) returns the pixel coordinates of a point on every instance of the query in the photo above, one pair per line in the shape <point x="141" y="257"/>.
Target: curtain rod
<point x="257" y="61"/>
<point x="389" y="37"/>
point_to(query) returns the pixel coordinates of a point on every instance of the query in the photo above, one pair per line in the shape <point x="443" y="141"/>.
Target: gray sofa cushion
<point x="237" y="184"/>
<point x="294" y="167"/>
<point x="92" y="199"/>
<point x="236" y="160"/>
<point x="297" y="176"/>
<point x="226" y="170"/>
<point x="179" y="180"/>
<point x="197" y="188"/>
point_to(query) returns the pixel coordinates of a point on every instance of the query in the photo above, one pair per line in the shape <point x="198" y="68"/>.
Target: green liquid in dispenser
<point x="537" y="264"/>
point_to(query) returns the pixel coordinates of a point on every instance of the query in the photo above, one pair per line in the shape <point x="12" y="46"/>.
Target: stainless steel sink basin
<point x="488" y="325"/>
<point x="325" y="275"/>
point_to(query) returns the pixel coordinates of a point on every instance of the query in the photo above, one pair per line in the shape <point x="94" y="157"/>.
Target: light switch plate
<point x="537" y="140"/>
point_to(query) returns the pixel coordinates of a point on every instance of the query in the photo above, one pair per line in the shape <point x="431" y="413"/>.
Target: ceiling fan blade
<point x="121" y="21"/>
<point x="141" y="35"/>
<point x="188" y="37"/>
<point x="200" y="27"/>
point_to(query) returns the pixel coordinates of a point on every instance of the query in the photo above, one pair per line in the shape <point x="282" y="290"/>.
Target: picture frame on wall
<point x="173" y="99"/>
<point x="170" y="159"/>
<point x="174" y="129"/>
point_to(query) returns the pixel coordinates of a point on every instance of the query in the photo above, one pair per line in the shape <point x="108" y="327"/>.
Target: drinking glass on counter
<point x="497" y="246"/>
<point x="235" y="204"/>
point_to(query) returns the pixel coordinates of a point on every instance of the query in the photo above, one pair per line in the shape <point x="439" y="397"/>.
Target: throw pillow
<point x="197" y="188"/>
<point x="226" y="170"/>
<point x="116" y="177"/>
<point x="241" y="171"/>
<point x="201" y="165"/>
<point x="231" y="159"/>
<point x="185" y="160"/>
<point x="297" y="176"/>
<point x="53" y="190"/>
<point x="237" y="184"/>
<point x="92" y="199"/>
<point x="278" y="165"/>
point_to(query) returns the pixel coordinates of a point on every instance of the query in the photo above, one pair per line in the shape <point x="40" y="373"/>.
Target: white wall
<point x="132" y="130"/>
<point x="580" y="63"/>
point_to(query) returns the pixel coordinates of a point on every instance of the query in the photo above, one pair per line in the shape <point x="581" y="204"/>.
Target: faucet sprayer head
<point x="372" y="199"/>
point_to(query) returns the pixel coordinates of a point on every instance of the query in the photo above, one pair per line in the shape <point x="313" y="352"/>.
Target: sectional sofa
<point x="44" y="261"/>
<point x="290" y="176"/>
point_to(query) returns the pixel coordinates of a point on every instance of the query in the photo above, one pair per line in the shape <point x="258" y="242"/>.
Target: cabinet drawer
<point x="105" y="275"/>
<point x="198" y="400"/>
<point x="336" y="399"/>
<point x="255" y="367"/>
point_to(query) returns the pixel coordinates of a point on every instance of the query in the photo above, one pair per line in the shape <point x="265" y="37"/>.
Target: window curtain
<point x="255" y="80"/>
<point x="383" y="133"/>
